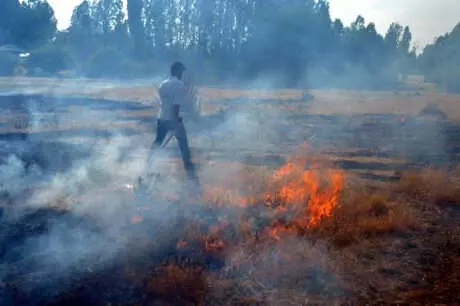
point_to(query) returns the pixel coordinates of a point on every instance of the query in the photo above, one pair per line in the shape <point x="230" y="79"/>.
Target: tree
<point x="82" y="32"/>
<point x="440" y="61"/>
<point x="108" y="15"/>
<point x="393" y="37"/>
<point x="37" y="25"/>
<point x="27" y="24"/>
<point x="136" y="27"/>
<point x="8" y="10"/>
<point x="239" y="39"/>
<point x="406" y="40"/>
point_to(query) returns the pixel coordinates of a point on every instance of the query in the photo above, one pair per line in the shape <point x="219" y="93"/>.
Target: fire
<point x="322" y="202"/>
<point x="137" y="219"/>
<point x="310" y="193"/>
<point x="288" y="201"/>
<point x="300" y="197"/>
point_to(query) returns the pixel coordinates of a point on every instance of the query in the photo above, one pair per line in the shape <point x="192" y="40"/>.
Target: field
<point x="328" y="197"/>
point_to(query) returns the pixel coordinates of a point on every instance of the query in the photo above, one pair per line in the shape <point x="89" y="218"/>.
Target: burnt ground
<point x="376" y="147"/>
<point x="414" y="139"/>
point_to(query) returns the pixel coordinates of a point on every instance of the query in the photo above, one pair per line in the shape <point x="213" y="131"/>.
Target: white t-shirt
<point x="172" y="91"/>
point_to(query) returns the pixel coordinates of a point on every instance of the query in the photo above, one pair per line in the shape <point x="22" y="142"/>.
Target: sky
<point x="426" y="18"/>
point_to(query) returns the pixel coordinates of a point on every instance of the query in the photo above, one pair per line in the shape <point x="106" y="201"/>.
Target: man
<point x="173" y="97"/>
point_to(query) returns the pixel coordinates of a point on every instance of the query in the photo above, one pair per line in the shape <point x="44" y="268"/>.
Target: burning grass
<point x="366" y="216"/>
<point x="304" y="198"/>
<point x="314" y="235"/>
<point x="305" y="233"/>
<point x="374" y="238"/>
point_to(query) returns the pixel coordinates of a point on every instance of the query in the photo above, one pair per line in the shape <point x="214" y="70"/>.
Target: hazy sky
<point x="427" y="18"/>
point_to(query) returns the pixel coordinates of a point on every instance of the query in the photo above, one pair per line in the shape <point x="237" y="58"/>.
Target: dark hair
<point x="177" y="68"/>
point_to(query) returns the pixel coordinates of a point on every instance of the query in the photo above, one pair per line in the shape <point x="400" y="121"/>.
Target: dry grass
<point x="384" y="243"/>
<point x="385" y="102"/>
<point x="329" y="102"/>
<point x="438" y="186"/>
<point x="378" y="244"/>
<point x="397" y="240"/>
<point x="365" y="215"/>
<point x="188" y="285"/>
<point x="325" y="101"/>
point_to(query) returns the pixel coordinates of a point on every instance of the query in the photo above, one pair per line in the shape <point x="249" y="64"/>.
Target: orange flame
<point x="307" y="195"/>
<point x="296" y="199"/>
<point x="137" y="219"/>
<point x="322" y="203"/>
<point x="313" y="193"/>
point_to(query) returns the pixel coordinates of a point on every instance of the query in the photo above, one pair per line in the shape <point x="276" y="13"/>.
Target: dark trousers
<point x="166" y="126"/>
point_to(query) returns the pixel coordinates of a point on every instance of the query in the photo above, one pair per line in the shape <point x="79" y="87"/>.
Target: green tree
<point x="136" y="26"/>
<point x="108" y="15"/>
<point x="27" y="24"/>
<point x="82" y="34"/>
<point x="406" y="39"/>
<point x="8" y="10"/>
<point x="393" y="37"/>
<point x="440" y="61"/>
<point x="240" y="39"/>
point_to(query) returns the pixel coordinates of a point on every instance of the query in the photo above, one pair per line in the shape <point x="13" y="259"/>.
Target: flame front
<point x="310" y="194"/>
<point x="322" y="202"/>
<point x="306" y="195"/>
<point x="290" y="200"/>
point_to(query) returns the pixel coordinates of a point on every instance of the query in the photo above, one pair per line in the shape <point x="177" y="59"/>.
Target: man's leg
<point x="181" y="136"/>
<point x="163" y="127"/>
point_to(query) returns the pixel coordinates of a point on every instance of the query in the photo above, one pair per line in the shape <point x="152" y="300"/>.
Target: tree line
<point x="440" y="61"/>
<point x="289" y="42"/>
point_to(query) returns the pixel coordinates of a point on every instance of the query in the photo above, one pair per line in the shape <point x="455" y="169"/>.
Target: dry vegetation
<point x="383" y="243"/>
<point x="325" y="101"/>
<point x="333" y="102"/>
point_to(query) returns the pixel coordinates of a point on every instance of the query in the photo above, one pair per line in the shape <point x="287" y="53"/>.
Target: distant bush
<point x="8" y="64"/>
<point x="354" y="77"/>
<point x="447" y="78"/>
<point x="110" y="62"/>
<point x="432" y="110"/>
<point x="50" y="59"/>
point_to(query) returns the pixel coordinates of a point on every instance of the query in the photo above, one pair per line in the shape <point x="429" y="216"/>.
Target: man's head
<point x="177" y="70"/>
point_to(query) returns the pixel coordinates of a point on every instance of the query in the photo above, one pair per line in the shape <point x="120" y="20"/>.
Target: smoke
<point x="62" y="222"/>
<point x="95" y="189"/>
<point x="92" y="233"/>
<point x="52" y="260"/>
<point x="12" y="172"/>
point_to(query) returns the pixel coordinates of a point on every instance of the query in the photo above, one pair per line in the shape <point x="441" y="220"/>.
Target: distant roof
<point x="11" y="49"/>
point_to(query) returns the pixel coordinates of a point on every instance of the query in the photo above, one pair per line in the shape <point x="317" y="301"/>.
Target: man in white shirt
<point x="173" y="97"/>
